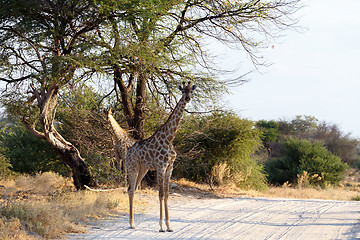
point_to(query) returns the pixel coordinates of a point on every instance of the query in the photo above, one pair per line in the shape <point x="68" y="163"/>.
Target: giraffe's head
<point x="187" y="90"/>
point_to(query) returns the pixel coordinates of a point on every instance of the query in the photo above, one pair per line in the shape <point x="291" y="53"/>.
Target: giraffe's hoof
<point x="169" y="230"/>
<point x="132" y="227"/>
<point x="161" y="230"/>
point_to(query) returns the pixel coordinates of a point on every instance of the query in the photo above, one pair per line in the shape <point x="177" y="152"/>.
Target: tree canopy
<point x="151" y="46"/>
<point x="145" y="47"/>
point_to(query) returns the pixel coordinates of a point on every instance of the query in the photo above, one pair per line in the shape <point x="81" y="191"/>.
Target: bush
<point x="5" y="167"/>
<point x="303" y="156"/>
<point x="356" y="198"/>
<point x="26" y="153"/>
<point x="219" y="147"/>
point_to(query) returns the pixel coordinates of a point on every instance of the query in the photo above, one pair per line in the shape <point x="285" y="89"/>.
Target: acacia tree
<point x="147" y="45"/>
<point x="151" y="46"/>
<point x="40" y="51"/>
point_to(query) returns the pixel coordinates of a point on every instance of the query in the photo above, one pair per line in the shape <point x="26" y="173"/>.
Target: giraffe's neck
<point x="170" y="127"/>
<point x="121" y="135"/>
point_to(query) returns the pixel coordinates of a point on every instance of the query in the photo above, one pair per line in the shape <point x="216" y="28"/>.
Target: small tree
<point x="270" y="134"/>
<point x="219" y="147"/>
<point x="308" y="127"/>
<point x="305" y="156"/>
<point x="340" y="144"/>
<point x="302" y="126"/>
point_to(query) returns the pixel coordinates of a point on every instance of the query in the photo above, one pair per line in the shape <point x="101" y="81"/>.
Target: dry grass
<point x="48" y="206"/>
<point x="12" y="230"/>
<point x="348" y="190"/>
<point x="330" y="193"/>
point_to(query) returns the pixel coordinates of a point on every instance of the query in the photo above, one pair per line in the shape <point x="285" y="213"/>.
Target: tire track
<point x="241" y="218"/>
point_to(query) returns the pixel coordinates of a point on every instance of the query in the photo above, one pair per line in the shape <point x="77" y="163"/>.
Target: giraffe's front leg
<point x="167" y="182"/>
<point x="160" y="177"/>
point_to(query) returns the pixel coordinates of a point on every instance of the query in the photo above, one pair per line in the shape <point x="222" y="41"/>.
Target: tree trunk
<point x="47" y="103"/>
<point x="70" y="156"/>
<point x="80" y="171"/>
<point x="134" y="114"/>
<point x="125" y="97"/>
<point x="139" y="115"/>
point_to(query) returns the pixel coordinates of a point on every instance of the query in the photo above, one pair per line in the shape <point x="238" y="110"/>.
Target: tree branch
<point x="33" y="46"/>
<point x="179" y="27"/>
<point x="17" y="79"/>
<point x="32" y="129"/>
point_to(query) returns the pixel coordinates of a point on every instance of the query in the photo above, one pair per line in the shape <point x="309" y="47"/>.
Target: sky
<point x="314" y="72"/>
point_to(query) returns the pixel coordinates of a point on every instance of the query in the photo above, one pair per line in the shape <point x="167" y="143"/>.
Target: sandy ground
<point x="239" y="218"/>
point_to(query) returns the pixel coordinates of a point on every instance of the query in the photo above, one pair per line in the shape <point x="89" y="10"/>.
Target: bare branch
<point x="106" y="96"/>
<point x="33" y="45"/>
<point x="17" y="79"/>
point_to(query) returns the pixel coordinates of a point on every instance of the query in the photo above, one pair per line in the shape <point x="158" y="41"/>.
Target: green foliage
<point x="5" y="167"/>
<point x="26" y="153"/>
<point x="220" y="140"/>
<point x="304" y="156"/>
<point x="270" y="130"/>
<point x="302" y="126"/>
<point x="309" y="128"/>
<point x="339" y="143"/>
<point x="356" y="198"/>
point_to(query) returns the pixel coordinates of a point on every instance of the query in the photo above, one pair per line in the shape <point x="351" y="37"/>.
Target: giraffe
<point x="122" y="141"/>
<point x="157" y="153"/>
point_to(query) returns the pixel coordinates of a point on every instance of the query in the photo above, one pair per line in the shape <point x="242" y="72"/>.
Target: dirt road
<point x="240" y="218"/>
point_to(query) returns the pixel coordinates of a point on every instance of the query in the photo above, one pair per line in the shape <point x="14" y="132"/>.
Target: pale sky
<point x="315" y="72"/>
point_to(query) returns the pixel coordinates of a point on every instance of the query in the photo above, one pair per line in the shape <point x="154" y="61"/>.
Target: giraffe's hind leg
<point x="141" y="174"/>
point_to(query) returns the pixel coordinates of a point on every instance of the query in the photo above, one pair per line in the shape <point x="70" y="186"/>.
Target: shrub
<point x="219" y="147"/>
<point x="5" y="167"/>
<point x="356" y="198"/>
<point x="304" y="156"/>
<point x="26" y="153"/>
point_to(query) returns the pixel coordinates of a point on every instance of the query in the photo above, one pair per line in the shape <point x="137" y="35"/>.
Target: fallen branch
<point x="101" y="190"/>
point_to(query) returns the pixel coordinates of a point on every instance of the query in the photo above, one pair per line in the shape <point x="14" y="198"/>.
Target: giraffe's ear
<point x="193" y="87"/>
<point x="180" y="88"/>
